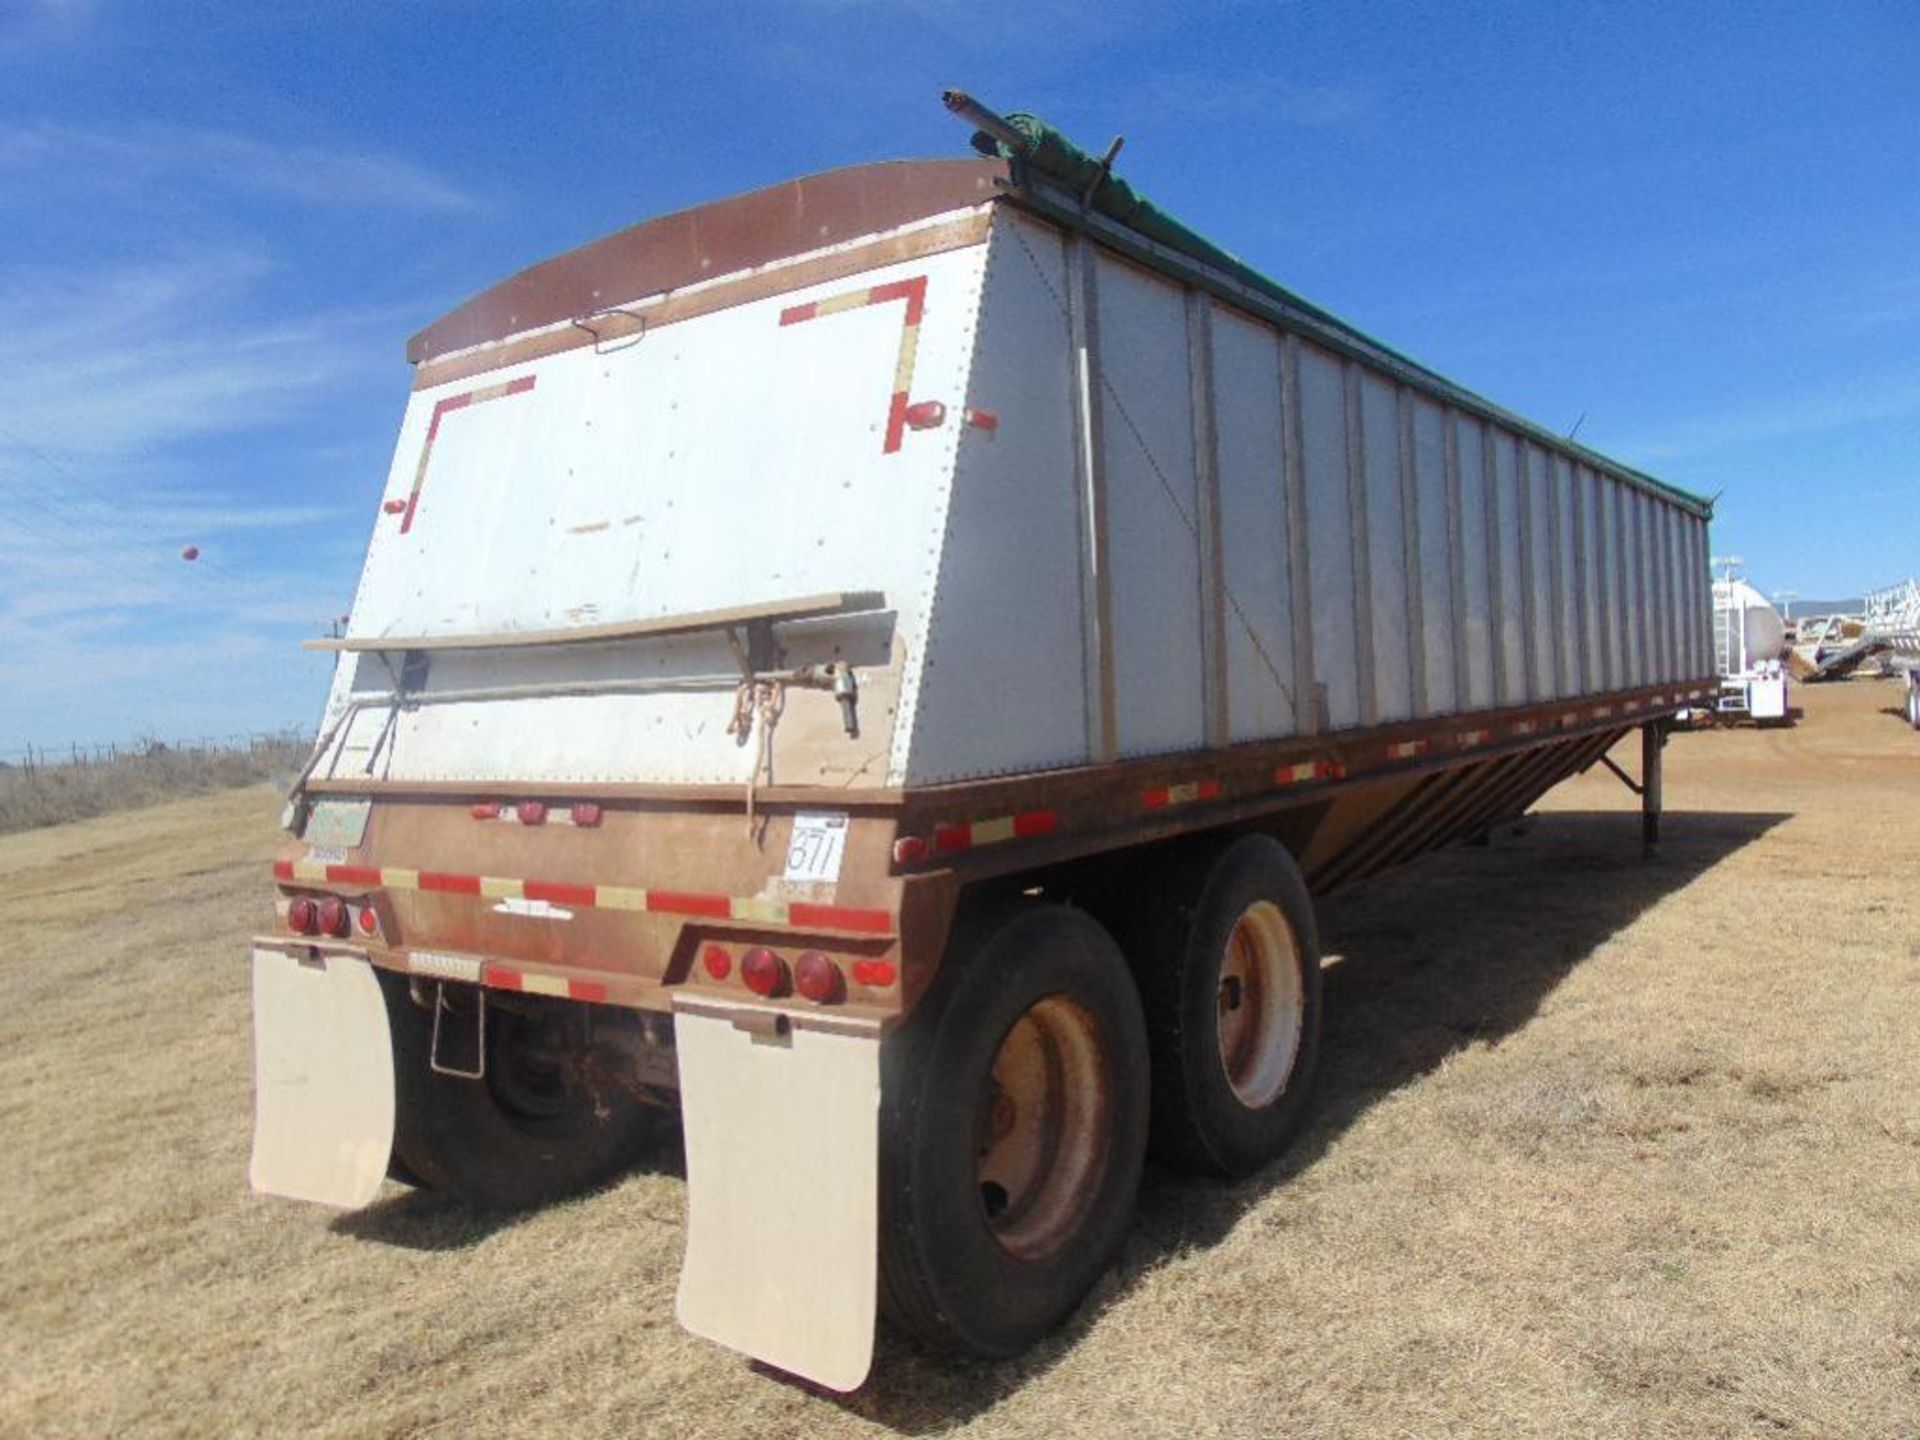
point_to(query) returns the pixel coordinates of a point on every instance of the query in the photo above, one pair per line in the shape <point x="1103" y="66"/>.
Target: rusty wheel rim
<point x="1042" y="1129"/>
<point x="1262" y="1005"/>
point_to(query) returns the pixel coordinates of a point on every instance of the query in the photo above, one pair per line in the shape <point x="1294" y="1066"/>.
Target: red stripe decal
<point x="587" y="990"/>
<point x="503" y="979"/>
<point x="450" y="884"/>
<point x="353" y="875"/>
<point x="283" y="870"/>
<point x="896" y="422"/>
<point x="838" y="917"/>
<point x="558" y="893"/>
<point x="519" y="385"/>
<point x="913" y="291"/>
<point x="668" y="902"/>
<point x="952" y="837"/>
<point x="1035" y="822"/>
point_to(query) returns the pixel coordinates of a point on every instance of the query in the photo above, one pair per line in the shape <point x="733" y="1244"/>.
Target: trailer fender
<point x="781" y="1118"/>
<point x="323" y="1077"/>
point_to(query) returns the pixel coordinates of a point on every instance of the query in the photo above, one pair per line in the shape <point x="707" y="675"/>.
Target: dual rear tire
<point x="1019" y="1102"/>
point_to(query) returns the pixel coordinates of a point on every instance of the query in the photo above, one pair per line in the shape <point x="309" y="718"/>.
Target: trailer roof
<point x="724" y="237"/>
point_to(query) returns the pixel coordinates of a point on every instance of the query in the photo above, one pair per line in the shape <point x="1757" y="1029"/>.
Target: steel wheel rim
<point x="1042" y="1130"/>
<point x="1261" y="1002"/>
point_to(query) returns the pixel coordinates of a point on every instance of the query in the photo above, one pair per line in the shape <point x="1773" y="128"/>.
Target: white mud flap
<point x="782" y="1138"/>
<point x="322" y="1078"/>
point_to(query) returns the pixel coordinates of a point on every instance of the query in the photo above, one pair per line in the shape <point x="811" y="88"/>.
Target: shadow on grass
<point x="418" y="1219"/>
<point x="1460" y="947"/>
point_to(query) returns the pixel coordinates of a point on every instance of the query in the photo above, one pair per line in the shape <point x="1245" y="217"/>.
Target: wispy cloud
<point x="147" y="155"/>
<point x="119" y="359"/>
<point x="1891" y="398"/>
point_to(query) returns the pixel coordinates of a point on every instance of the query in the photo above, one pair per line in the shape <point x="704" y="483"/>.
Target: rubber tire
<point x="453" y="1135"/>
<point x="943" y="1275"/>
<point x="1177" y="942"/>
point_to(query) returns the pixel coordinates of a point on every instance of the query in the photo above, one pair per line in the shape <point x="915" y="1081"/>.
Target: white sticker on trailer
<point x="818" y="845"/>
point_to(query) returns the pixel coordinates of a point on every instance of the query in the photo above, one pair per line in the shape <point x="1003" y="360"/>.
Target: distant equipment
<point x="1750" y="648"/>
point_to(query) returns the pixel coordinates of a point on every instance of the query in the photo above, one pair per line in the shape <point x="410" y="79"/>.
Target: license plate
<point x="337" y="824"/>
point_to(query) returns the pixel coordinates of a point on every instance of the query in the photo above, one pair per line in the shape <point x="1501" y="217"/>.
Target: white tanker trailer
<point x="881" y="666"/>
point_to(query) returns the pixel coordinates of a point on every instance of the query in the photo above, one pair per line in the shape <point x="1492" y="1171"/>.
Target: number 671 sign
<point x="818" y="845"/>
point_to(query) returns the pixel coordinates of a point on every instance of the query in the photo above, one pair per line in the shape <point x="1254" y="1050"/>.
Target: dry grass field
<point x="1605" y="1149"/>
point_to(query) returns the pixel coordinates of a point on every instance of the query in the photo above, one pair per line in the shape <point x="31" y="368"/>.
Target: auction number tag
<point x="818" y="845"/>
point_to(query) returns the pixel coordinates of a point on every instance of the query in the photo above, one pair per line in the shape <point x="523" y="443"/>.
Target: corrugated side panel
<point x="1476" y="607"/>
<point x="1323" y="445"/>
<point x="1153" y="509"/>
<point x="1386" y="551"/>
<point x="1510" y="606"/>
<point x="740" y="458"/>
<point x="1254" y="540"/>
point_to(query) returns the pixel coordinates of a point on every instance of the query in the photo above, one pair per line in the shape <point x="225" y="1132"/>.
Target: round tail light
<point x="764" y="972"/>
<point x="531" y="812"/>
<point x="303" y="916"/>
<point x="334" y="917"/>
<point x="818" y="978"/>
<point x="718" y="963"/>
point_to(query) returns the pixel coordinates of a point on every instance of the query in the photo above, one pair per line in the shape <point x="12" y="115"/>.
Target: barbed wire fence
<point x="31" y="758"/>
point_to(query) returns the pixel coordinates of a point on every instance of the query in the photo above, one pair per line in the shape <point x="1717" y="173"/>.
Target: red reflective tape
<point x="669" y="902"/>
<point x="913" y="291"/>
<point x="839" y="917"/>
<point x="587" y="990"/>
<point x="444" y="408"/>
<point x="793" y="315"/>
<point x="520" y="386"/>
<point x="896" y="422"/>
<point x="1156" y="798"/>
<point x="952" y="837"/>
<point x="450" y="884"/>
<point x="1209" y="790"/>
<point x="1035" y="822"/>
<point x="353" y="875"/>
<point x="558" y="893"/>
<point x="283" y="869"/>
<point x="503" y="979"/>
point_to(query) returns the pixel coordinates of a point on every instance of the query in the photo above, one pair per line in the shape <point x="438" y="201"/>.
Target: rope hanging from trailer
<point x="760" y="700"/>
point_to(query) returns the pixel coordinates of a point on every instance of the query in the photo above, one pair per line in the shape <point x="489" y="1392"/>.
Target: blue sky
<point x="1697" y="226"/>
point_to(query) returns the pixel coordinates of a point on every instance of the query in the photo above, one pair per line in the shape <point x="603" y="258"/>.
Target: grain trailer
<point x="880" y="666"/>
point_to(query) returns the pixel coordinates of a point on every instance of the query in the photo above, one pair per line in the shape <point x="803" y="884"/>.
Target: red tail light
<point x="909" y="850"/>
<point x="764" y="972"/>
<point x="303" y="916"/>
<point x="486" y="810"/>
<point x="818" y="978"/>
<point x="335" y="919"/>
<point x="718" y="963"/>
<point x="874" y="972"/>
<point x="369" y="920"/>
<point x="926" y="415"/>
<point x="531" y="812"/>
<point x="586" y="814"/>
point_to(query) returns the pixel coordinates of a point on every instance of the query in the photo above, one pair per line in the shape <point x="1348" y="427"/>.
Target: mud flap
<point x="782" y="1138"/>
<point x="322" y="1078"/>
